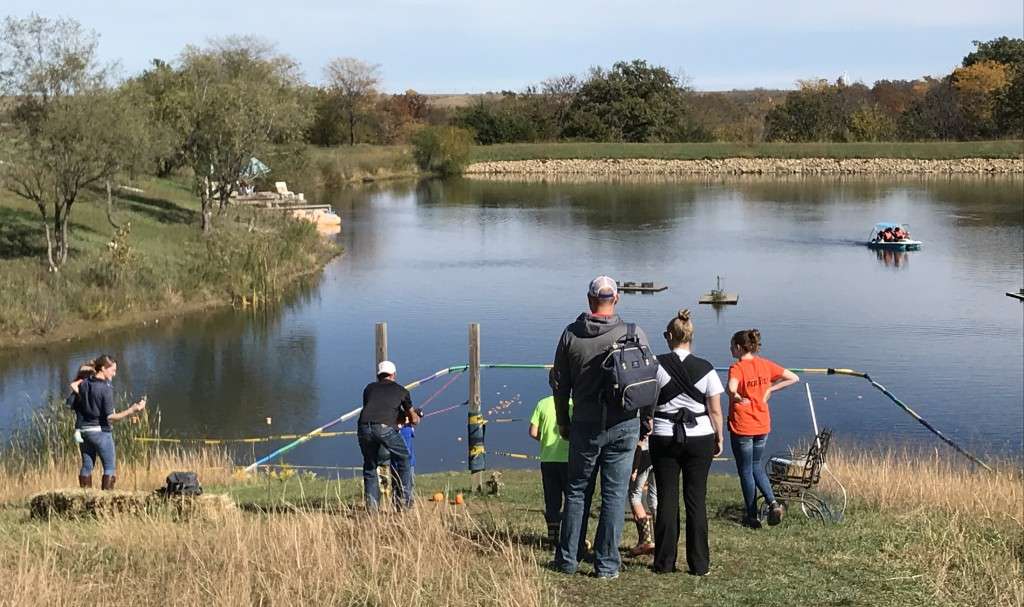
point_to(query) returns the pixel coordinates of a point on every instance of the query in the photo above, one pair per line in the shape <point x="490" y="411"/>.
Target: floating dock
<point x="639" y="287"/>
<point x="718" y="297"/>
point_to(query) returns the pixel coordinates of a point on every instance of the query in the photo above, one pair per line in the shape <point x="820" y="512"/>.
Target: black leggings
<point x="693" y="461"/>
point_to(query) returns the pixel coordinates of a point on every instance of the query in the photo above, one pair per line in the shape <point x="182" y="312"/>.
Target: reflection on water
<point x="893" y="259"/>
<point x="516" y="255"/>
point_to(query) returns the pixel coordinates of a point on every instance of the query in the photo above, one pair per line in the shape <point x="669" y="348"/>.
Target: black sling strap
<point x="681" y="373"/>
<point x="682" y="378"/>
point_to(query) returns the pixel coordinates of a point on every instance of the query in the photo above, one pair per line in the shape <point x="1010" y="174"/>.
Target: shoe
<point x="608" y="576"/>
<point x="751" y="523"/>
<point x="705" y="574"/>
<point x="775" y="514"/>
<point x="642" y="549"/>
<point x="107" y="482"/>
<point x="85" y="482"/>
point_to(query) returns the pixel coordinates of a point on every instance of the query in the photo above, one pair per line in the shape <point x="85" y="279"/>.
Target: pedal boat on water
<point x="899" y="237"/>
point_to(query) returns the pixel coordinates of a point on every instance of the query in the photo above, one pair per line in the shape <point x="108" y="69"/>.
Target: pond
<point x="516" y="256"/>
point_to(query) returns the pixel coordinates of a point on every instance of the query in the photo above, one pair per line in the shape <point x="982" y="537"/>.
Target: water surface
<point x="516" y="256"/>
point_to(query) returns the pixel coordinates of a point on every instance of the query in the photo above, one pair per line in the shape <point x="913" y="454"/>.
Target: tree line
<point x="69" y="123"/>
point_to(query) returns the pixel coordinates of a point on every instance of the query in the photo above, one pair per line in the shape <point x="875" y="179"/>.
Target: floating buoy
<point x="459" y="500"/>
<point x="437" y="497"/>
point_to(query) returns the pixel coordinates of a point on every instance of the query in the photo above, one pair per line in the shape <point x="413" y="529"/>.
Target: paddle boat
<point x="899" y="237"/>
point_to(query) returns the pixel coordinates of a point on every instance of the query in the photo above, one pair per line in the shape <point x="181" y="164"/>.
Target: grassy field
<point x="917" y="531"/>
<point x="695" y="151"/>
<point x="162" y="263"/>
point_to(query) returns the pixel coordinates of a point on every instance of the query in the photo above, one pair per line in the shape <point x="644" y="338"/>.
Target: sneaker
<point x="751" y="523"/>
<point x="775" y="514"/>
<point x="642" y="549"/>
<point x="705" y="574"/>
<point x="608" y="576"/>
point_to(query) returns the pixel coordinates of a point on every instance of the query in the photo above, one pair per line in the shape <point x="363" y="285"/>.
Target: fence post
<point x="381" y="339"/>
<point x="381" y="354"/>
<point x="475" y="428"/>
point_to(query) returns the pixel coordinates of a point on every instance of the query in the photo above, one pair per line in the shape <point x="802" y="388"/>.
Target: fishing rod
<point x="465" y="367"/>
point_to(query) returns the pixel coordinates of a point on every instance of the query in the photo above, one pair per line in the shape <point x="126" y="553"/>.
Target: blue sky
<point x="480" y="45"/>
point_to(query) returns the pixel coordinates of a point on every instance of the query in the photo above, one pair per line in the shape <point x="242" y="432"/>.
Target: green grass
<point x="169" y="265"/>
<point x="336" y="166"/>
<point x="866" y="560"/>
<point x="694" y="151"/>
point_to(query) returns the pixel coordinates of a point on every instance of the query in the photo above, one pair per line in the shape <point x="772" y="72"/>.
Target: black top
<point x="383" y="401"/>
<point x="95" y="402"/>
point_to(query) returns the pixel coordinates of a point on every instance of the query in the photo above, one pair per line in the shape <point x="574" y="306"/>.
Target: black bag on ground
<point x="630" y="373"/>
<point x="181" y="483"/>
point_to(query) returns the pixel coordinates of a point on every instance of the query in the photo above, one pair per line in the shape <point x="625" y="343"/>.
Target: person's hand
<point x="139" y="406"/>
<point x="718" y="445"/>
<point x="75" y="384"/>
<point x="563" y="431"/>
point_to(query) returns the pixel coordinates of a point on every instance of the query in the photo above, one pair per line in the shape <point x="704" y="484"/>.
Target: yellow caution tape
<point x="221" y="441"/>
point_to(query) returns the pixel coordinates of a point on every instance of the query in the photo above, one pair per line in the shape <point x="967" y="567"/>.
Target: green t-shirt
<point x="553" y="448"/>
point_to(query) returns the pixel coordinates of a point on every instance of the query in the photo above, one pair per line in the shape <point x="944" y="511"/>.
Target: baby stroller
<point x="795" y="477"/>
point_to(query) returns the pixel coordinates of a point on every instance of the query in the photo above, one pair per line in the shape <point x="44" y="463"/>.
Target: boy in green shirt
<point x="554" y="468"/>
<point x="554" y="462"/>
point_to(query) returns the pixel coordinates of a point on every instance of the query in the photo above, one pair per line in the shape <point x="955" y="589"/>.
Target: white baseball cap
<point x="386" y="367"/>
<point x="603" y="287"/>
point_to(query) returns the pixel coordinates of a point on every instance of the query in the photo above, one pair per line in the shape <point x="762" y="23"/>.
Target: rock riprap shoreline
<point x="752" y="166"/>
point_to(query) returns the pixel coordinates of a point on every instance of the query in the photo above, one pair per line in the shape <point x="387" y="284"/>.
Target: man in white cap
<point x="384" y="402"/>
<point x="602" y="436"/>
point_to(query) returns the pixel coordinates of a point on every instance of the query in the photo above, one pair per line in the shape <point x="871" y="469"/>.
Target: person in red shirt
<point x="752" y="381"/>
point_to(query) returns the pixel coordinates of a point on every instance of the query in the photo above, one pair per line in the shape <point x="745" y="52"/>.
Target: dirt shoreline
<point x="752" y="166"/>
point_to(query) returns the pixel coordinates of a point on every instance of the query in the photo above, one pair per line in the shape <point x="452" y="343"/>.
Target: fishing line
<point x="463" y="368"/>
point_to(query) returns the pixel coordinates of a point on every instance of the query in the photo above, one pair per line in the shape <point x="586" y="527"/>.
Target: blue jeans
<point x="101" y="445"/>
<point x="373" y="440"/>
<point x="608" y="452"/>
<point x="748" y="451"/>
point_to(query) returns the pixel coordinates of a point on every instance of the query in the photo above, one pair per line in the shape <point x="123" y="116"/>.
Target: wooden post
<point x="381" y="344"/>
<point x="380" y="355"/>
<point x="475" y="425"/>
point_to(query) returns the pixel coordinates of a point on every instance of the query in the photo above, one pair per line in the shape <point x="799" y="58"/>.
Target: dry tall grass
<point x="145" y="473"/>
<point x="970" y="522"/>
<point x="426" y="556"/>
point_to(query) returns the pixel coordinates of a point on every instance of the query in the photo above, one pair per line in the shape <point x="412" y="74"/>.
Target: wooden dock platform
<point x="639" y="287"/>
<point x="720" y="299"/>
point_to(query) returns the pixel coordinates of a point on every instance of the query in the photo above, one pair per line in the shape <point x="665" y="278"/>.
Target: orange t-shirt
<point x="755" y="376"/>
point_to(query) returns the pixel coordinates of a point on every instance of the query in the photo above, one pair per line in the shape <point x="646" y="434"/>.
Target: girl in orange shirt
<point x="752" y="380"/>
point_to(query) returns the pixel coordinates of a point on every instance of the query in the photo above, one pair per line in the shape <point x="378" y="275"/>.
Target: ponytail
<point x="747" y="341"/>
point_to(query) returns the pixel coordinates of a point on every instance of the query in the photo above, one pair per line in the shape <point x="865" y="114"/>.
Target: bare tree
<point x="353" y="84"/>
<point x="560" y="92"/>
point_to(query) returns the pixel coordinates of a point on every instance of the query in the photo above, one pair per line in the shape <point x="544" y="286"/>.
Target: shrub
<point x="442" y="149"/>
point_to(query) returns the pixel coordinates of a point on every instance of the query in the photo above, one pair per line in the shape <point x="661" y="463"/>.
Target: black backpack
<point x="630" y="373"/>
<point x="181" y="483"/>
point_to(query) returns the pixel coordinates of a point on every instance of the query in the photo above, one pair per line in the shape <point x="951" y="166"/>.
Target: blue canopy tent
<point x="254" y="169"/>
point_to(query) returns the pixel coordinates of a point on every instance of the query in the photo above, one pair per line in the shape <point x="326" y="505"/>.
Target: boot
<point x="108" y="482"/>
<point x="85" y="482"/>
<point x="553" y="530"/>
<point x="645" y="543"/>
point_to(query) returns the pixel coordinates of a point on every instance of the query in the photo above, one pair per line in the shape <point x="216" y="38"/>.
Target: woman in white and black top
<point x="686" y="436"/>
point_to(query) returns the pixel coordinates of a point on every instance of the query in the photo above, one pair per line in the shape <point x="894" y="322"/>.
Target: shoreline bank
<point x="751" y="166"/>
<point x="78" y="331"/>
